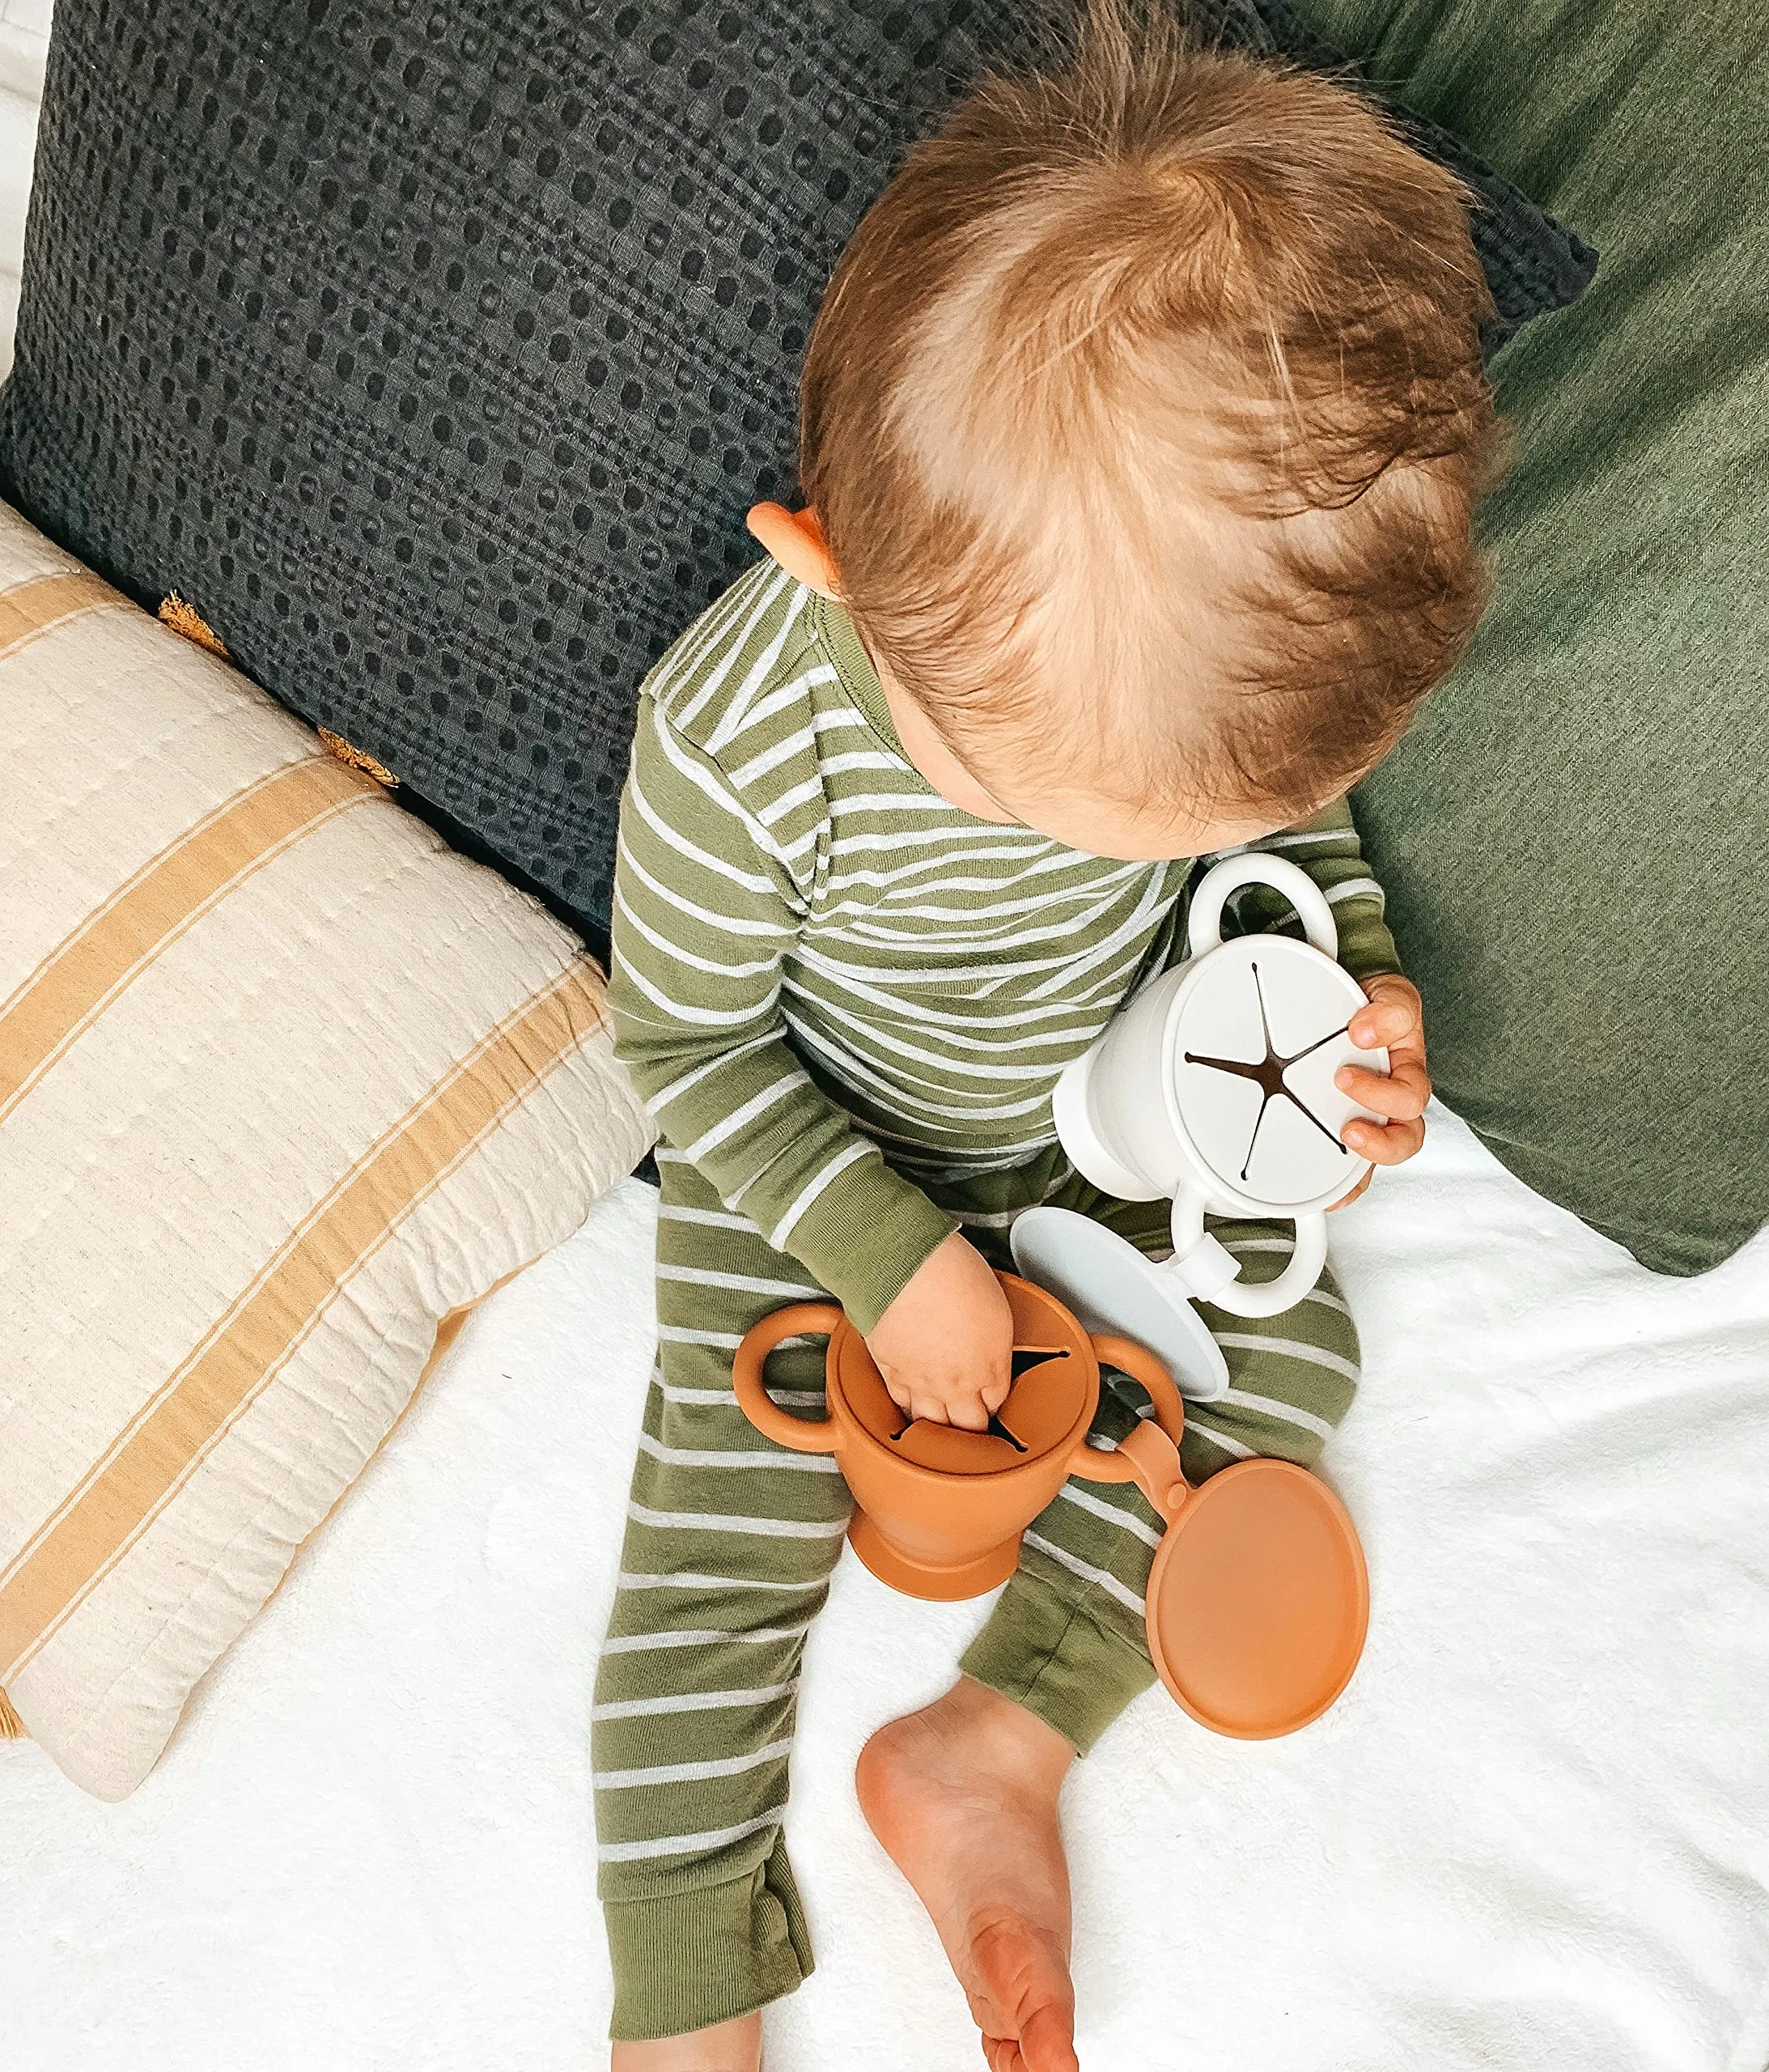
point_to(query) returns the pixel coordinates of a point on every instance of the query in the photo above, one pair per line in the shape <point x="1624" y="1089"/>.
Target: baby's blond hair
<point x="1145" y="417"/>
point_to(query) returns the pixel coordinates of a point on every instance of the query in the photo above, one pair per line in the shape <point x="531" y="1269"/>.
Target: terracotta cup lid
<point x="1258" y="1601"/>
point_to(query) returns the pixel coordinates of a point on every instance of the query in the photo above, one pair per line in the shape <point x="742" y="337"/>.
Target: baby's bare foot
<point x="727" y="2047"/>
<point x="963" y="1796"/>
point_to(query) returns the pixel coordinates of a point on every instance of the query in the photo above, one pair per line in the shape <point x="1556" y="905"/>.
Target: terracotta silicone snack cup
<point x="1258" y="1599"/>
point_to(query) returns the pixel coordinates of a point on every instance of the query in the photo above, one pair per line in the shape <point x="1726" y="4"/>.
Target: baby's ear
<point x="795" y="539"/>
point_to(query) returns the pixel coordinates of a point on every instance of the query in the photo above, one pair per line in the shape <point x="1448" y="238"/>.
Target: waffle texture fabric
<point x="435" y="353"/>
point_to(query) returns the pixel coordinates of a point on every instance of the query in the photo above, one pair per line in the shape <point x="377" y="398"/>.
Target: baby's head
<point x="1143" y="421"/>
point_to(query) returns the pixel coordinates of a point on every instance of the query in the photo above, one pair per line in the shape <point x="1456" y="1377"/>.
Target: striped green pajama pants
<point x="730" y="1540"/>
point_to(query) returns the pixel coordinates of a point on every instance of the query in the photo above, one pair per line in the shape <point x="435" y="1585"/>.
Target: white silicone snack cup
<point x="1121" y="1118"/>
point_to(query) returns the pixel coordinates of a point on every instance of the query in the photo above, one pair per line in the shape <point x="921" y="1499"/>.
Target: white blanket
<point x="1534" y="1835"/>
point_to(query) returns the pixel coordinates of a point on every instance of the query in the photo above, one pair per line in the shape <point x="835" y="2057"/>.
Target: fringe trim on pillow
<point x="357" y="758"/>
<point x="12" y="1728"/>
<point x="183" y="618"/>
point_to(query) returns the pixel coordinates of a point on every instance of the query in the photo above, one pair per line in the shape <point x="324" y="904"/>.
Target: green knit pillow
<point x="1572" y="834"/>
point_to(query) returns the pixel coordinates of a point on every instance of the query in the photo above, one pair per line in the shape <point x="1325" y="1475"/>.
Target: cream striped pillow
<point x="284" y="1082"/>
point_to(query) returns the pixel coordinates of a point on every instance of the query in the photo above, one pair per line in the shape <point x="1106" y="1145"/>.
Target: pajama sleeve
<point x="706" y="909"/>
<point x="1328" y="849"/>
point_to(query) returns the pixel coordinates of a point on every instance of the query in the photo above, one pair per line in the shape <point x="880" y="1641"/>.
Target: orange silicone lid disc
<point x="1258" y="1601"/>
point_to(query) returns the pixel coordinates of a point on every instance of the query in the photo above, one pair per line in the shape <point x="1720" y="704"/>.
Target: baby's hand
<point x="1395" y="1017"/>
<point x="945" y="1346"/>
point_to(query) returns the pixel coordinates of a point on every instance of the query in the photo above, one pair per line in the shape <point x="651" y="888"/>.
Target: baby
<point x="1141" y="430"/>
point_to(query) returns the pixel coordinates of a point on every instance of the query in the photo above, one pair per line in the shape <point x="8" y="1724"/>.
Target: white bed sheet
<point x="1534" y="1834"/>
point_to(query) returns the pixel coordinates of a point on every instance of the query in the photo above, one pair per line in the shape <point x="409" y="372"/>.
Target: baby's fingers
<point x="1401" y="1095"/>
<point x="1389" y="1144"/>
<point x="1383" y="1021"/>
<point x="1345" y="1201"/>
<point x="963" y="1408"/>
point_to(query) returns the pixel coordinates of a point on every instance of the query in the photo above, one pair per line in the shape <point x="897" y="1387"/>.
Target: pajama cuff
<point x="1366" y="948"/>
<point x="1075" y="1673"/>
<point x="684" y="1960"/>
<point x="865" y="1237"/>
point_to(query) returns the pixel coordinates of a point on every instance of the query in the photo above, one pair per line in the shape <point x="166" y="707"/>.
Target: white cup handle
<point x="1203" y="1267"/>
<point x="1204" y="927"/>
<point x="1210" y="1272"/>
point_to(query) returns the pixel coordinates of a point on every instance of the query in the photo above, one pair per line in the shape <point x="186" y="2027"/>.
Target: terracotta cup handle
<point x="1150" y="1456"/>
<point x="803" y="1435"/>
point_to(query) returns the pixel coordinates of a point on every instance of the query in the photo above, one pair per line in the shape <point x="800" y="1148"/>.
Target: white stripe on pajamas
<point x="771" y="1459"/>
<point x="735" y="925"/>
<point x="1294" y="839"/>
<point x="686" y="1844"/>
<point x="718" y="1219"/>
<point x="1288" y="1413"/>
<point x="789" y="696"/>
<point x="1072" y="1492"/>
<point x="1252" y="1341"/>
<point x="718" y="1766"/>
<point x="1200" y="1425"/>
<point x="690" y="1579"/>
<point x="740" y="1527"/>
<point x="701" y="1637"/>
<point x="706" y="1276"/>
<point x="850" y="1154"/>
<point x="822" y="723"/>
<point x="796" y="1399"/>
<point x="775" y="585"/>
<point x="686" y="850"/>
<point x="665" y="1094"/>
<point x="723" y="966"/>
<point x="728" y="1125"/>
<point x="694" y="1701"/>
<point x="1100" y="1578"/>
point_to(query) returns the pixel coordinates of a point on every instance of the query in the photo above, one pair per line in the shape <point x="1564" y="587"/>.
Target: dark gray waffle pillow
<point x="433" y="350"/>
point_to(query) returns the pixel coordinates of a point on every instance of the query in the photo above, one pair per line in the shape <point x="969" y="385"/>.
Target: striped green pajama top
<point x="808" y="937"/>
<point x="847" y="1002"/>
